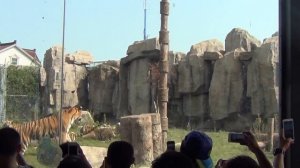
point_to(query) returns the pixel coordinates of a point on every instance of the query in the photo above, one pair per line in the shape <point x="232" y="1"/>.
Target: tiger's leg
<point x="65" y="137"/>
<point x="68" y="138"/>
<point x="24" y="142"/>
<point x="72" y="136"/>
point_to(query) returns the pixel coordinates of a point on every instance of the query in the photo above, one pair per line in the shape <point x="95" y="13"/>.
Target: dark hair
<point x="172" y="159"/>
<point x="73" y="161"/>
<point x="65" y="147"/>
<point x="10" y="141"/>
<point x="242" y="162"/>
<point x="120" y="154"/>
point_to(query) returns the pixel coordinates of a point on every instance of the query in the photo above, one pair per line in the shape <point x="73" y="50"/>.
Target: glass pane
<point x="222" y="72"/>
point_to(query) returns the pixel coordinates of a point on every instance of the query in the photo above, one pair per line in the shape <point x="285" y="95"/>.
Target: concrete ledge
<point x="138" y="55"/>
<point x="212" y="56"/>
<point x="245" y="56"/>
<point x="142" y="46"/>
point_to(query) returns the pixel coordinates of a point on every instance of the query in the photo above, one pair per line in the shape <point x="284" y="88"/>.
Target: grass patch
<point x="30" y="157"/>
<point x="221" y="147"/>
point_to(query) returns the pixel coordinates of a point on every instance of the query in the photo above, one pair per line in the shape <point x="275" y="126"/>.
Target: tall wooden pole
<point x="164" y="69"/>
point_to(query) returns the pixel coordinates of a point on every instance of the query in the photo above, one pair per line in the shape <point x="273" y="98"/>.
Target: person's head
<point x="238" y="162"/>
<point x="172" y="159"/>
<point x="197" y="146"/>
<point x="10" y="142"/>
<point x="120" y="154"/>
<point x="65" y="148"/>
<point x="73" y="161"/>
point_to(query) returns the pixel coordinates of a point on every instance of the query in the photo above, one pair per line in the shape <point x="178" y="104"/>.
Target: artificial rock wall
<point x="231" y="86"/>
<point x="138" y="78"/>
<point x="74" y="78"/>
<point x="103" y="81"/>
<point x="230" y="83"/>
<point x="227" y="83"/>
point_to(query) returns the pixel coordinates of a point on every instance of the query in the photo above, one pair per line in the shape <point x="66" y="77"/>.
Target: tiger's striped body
<point x="48" y="126"/>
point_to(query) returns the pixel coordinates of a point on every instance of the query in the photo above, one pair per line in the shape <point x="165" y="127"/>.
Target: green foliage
<point x="31" y="158"/>
<point x="22" y="85"/>
<point x="22" y="80"/>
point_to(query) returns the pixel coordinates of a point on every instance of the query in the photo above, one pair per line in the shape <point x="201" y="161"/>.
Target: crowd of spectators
<point x="194" y="152"/>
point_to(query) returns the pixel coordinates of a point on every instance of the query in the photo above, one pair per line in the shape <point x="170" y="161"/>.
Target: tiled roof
<point x="30" y="52"/>
<point x="5" y="45"/>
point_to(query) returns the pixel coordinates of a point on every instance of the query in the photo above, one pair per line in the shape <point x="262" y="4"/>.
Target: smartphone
<point x="72" y="148"/>
<point x="236" y="137"/>
<point x="171" y="146"/>
<point x="288" y="128"/>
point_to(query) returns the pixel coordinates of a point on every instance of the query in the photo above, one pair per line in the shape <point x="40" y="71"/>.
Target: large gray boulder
<point x="174" y="59"/>
<point x="195" y="106"/>
<point x="184" y="77"/>
<point x="226" y="87"/>
<point x="139" y="95"/>
<point x="194" y="71"/>
<point x="80" y="57"/>
<point x="206" y="46"/>
<point x="102" y="84"/>
<point x="263" y="78"/>
<point x="74" y="79"/>
<point x="239" y="38"/>
<point x="138" y="78"/>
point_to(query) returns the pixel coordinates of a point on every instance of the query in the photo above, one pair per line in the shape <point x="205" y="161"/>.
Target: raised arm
<point x="252" y="144"/>
<point x="279" y="152"/>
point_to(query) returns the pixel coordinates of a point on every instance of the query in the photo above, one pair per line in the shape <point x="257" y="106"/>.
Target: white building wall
<point x="5" y="57"/>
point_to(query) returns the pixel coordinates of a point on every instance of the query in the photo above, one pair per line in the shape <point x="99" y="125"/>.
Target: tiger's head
<point x="72" y="114"/>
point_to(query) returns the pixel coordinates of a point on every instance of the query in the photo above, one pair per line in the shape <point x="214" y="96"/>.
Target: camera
<point x="171" y="146"/>
<point x="236" y="137"/>
<point x="288" y="128"/>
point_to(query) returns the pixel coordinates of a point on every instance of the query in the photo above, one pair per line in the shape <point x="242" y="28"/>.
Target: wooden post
<point x="125" y="129"/>
<point x="156" y="135"/>
<point x="137" y="130"/>
<point x="142" y="139"/>
<point x="270" y="126"/>
<point x="164" y="69"/>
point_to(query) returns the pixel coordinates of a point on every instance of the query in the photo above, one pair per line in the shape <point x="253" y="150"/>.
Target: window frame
<point x="289" y="59"/>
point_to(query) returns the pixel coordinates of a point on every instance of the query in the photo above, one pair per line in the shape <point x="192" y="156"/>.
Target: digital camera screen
<point x="289" y="129"/>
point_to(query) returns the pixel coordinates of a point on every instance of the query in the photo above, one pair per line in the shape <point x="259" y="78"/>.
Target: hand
<point x="285" y="143"/>
<point x="251" y="142"/>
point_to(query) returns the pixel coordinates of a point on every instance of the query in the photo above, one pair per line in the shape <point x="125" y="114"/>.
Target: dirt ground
<point x="95" y="155"/>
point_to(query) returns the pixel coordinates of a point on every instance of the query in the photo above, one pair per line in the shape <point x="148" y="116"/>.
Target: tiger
<point x="48" y="126"/>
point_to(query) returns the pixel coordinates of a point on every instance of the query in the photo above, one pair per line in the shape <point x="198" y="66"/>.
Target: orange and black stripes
<point x="48" y="126"/>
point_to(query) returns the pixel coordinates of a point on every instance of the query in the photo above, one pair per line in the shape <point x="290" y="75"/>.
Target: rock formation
<point x="263" y="78"/>
<point x="239" y="38"/>
<point x="226" y="88"/>
<point x="138" y="79"/>
<point x="75" y="74"/>
<point x="209" y="83"/>
<point x="103" y="85"/>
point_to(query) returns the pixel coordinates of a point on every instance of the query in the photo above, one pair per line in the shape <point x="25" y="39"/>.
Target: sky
<point x="106" y="28"/>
